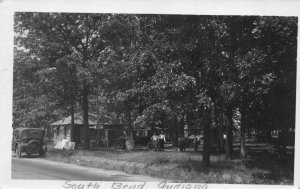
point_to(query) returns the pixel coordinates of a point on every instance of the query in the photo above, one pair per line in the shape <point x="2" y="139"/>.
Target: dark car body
<point x="189" y="142"/>
<point x="144" y="141"/>
<point x="29" y="140"/>
<point x="121" y="141"/>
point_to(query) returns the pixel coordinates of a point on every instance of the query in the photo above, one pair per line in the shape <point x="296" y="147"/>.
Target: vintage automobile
<point x="144" y="141"/>
<point x="137" y="141"/>
<point x="188" y="142"/>
<point x="124" y="142"/>
<point x="29" y="140"/>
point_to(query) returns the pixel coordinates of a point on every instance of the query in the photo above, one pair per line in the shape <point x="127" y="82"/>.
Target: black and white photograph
<point x="181" y="100"/>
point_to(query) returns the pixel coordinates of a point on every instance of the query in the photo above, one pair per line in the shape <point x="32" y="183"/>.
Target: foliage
<point x="168" y="70"/>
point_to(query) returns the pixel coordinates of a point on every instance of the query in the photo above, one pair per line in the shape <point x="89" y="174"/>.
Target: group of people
<point x="158" y="141"/>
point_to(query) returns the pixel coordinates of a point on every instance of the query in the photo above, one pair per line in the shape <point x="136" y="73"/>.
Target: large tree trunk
<point x="268" y="133"/>
<point x="188" y="123"/>
<point x="181" y="127"/>
<point x="85" y="108"/>
<point x="220" y="127"/>
<point x="177" y="127"/>
<point x="229" y="137"/>
<point x="129" y="121"/>
<point x="206" y="137"/>
<point x="72" y="130"/>
<point x="218" y="139"/>
<point x="249" y="130"/>
<point x="243" y="133"/>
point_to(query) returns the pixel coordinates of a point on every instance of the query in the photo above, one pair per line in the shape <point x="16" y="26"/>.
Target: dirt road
<point x="40" y="169"/>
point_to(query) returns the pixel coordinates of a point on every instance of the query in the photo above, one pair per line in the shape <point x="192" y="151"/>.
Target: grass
<point x="259" y="168"/>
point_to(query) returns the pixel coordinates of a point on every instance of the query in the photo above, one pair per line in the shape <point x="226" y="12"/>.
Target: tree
<point x="194" y="70"/>
<point x="81" y="38"/>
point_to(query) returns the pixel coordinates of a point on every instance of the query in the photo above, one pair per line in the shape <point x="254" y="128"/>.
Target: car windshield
<point x="32" y="134"/>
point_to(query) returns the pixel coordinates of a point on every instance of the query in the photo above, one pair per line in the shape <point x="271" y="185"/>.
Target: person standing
<point x="154" y="139"/>
<point x="162" y="140"/>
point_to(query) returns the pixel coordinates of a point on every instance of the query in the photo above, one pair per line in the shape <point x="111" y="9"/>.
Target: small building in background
<point x="103" y="130"/>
